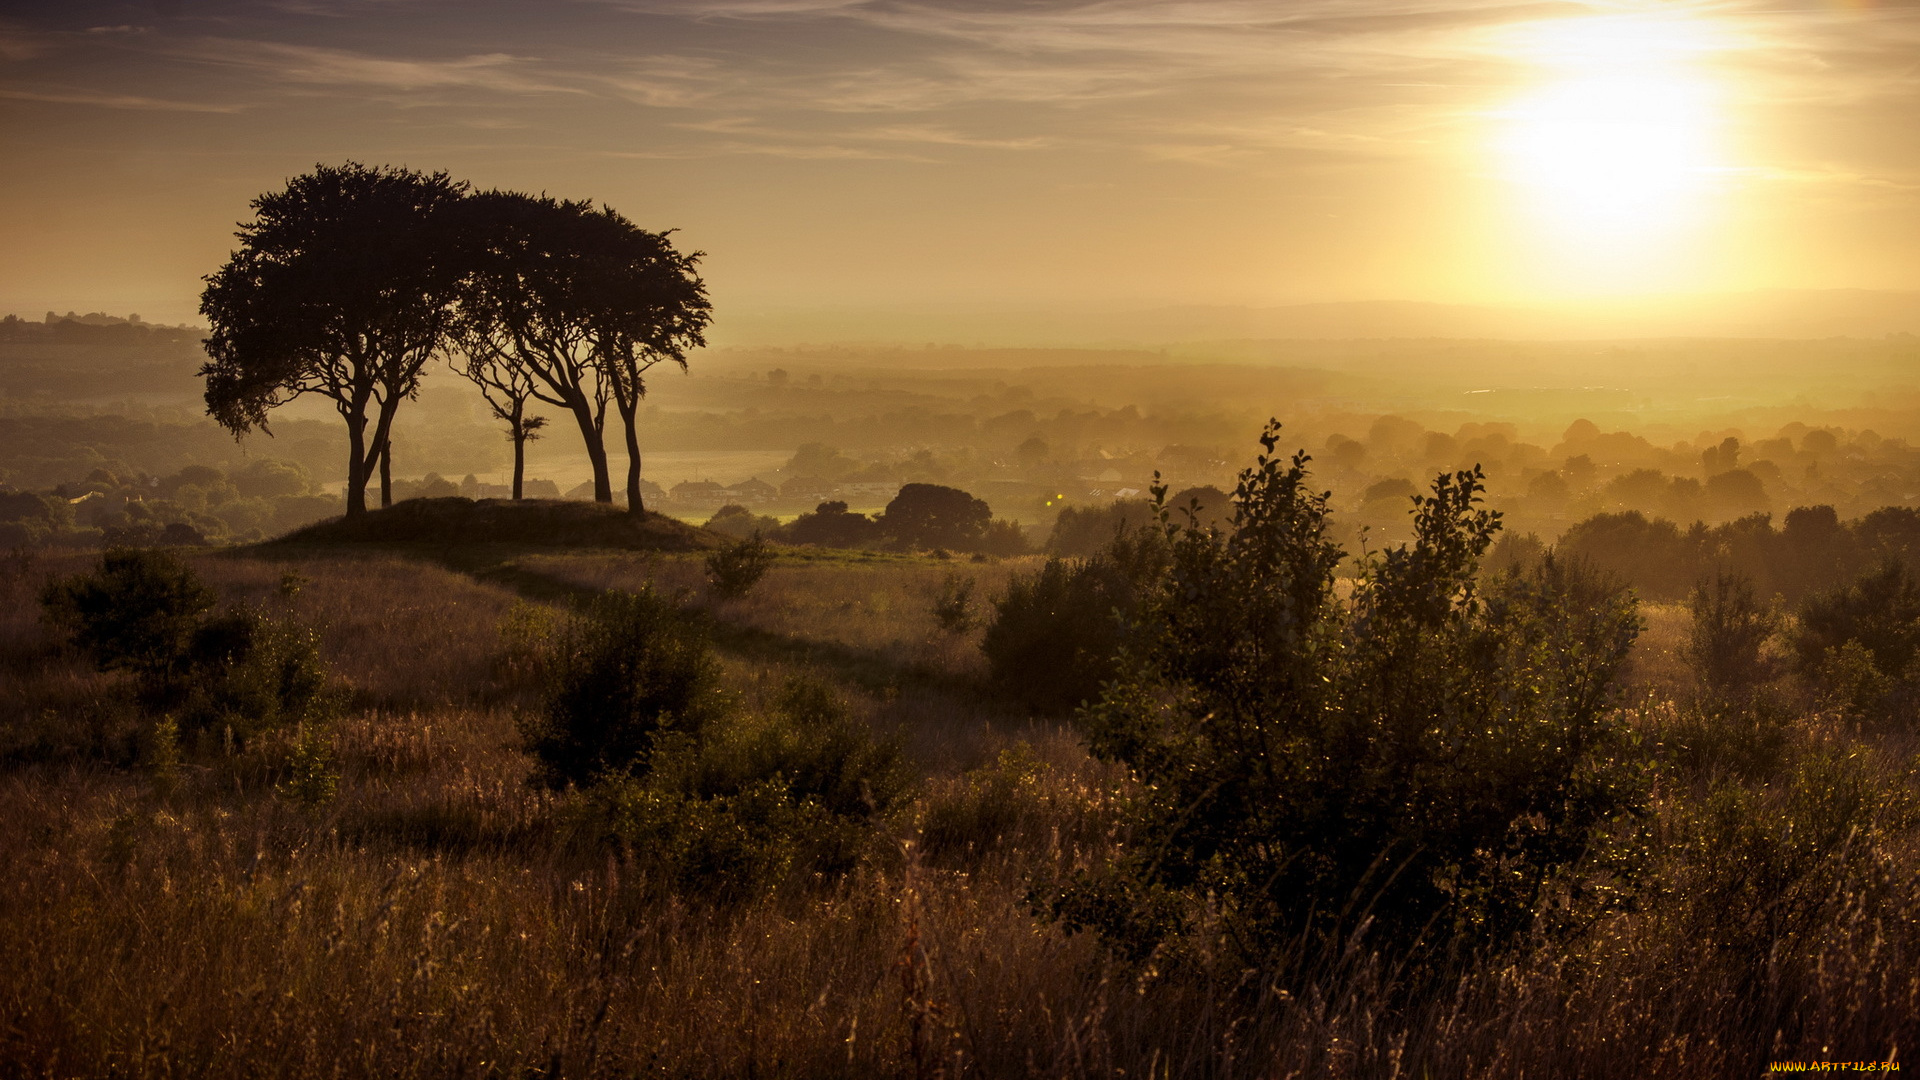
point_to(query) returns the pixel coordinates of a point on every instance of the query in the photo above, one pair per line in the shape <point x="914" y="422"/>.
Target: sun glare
<point x="1616" y="149"/>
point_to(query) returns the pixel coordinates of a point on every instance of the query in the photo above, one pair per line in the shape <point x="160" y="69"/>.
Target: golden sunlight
<point x="1617" y="150"/>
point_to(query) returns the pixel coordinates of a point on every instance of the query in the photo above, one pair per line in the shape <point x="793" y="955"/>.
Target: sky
<point x="844" y="154"/>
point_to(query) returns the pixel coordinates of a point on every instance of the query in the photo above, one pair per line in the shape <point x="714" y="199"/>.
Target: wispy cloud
<point x="118" y="101"/>
<point x="317" y="66"/>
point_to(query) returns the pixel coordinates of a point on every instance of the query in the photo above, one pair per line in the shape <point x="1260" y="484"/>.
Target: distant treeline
<point x="1813" y="550"/>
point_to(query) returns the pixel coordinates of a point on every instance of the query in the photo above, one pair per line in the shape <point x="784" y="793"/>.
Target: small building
<point x="699" y="494"/>
<point x="753" y="492"/>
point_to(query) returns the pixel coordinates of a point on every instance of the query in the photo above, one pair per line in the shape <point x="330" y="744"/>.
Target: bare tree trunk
<point x="356" y="466"/>
<point x="519" y="455"/>
<point x="386" y="473"/>
<point x="595" y="438"/>
<point x="630" y="420"/>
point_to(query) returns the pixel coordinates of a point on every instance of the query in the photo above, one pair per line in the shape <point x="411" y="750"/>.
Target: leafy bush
<point x="1412" y="764"/>
<point x="1757" y="867"/>
<point x="757" y="803"/>
<point x="734" y="570"/>
<point x="1084" y="531"/>
<point x="628" y="669"/>
<point x="1730" y="628"/>
<point x="246" y="673"/>
<point x="237" y="673"/>
<point x="1054" y="634"/>
<point x="953" y="604"/>
<point x="137" y="613"/>
<point x="1880" y="610"/>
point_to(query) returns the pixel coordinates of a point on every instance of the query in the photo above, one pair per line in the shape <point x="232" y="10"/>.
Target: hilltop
<point x="537" y="522"/>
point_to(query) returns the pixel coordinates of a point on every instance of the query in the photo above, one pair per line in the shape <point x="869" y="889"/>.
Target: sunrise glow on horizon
<point x="865" y="154"/>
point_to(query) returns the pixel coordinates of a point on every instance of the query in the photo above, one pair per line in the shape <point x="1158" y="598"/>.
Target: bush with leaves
<point x="1857" y="645"/>
<point x="237" y="673"/>
<point x="953" y="604"/>
<point x="138" y="612"/>
<point x="734" y="570"/>
<point x="627" y="670"/>
<point x="1730" y="628"/>
<point x="1408" y="767"/>
<point x="1054" y="634"/>
<point x="759" y="801"/>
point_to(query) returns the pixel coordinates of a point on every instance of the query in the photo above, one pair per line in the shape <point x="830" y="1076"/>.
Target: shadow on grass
<point x="499" y="563"/>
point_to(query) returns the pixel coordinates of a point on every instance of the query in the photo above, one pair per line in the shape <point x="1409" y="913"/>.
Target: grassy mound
<point x="536" y="522"/>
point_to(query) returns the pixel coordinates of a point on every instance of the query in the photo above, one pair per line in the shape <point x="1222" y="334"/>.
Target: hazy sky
<point x="848" y="153"/>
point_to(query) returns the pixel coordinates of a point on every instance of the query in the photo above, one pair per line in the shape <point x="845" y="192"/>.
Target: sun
<point x="1617" y="146"/>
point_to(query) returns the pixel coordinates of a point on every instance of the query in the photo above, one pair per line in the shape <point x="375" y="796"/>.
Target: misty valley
<point x="1247" y="708"/>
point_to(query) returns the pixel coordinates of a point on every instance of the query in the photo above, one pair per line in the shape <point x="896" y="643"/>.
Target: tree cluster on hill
<point x="352" y="279"/>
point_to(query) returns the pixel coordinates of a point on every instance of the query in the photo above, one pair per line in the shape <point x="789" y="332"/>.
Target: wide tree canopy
<point x="342" y="286"/>
<point x="585" y="302"/>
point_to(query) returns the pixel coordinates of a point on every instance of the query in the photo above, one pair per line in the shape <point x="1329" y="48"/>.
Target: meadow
<point x="439" y="915"/>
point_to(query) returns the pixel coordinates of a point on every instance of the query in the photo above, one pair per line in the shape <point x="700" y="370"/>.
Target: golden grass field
<point x="442" y="918"/>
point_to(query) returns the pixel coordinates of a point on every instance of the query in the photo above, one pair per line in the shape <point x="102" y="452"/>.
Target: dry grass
<point x="442" y="918"/>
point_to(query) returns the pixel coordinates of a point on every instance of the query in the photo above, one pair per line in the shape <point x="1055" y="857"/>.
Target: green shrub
<point x="1757" y="867"/>
<point x="953" y="604"/>
<point x="237" y="673"/>
<point x="1055" y="633"/>
<point x="1411" y="765"/>
<point x="734" y="570"/>
<point x="628" y="668"/>
<point x="247" y="673"/>
<point x="1880" y="610"/>
<point x="139" y="612"/>
<point x="312" y="777"/>
<point x="1857" y="645"/>
<point x="760" y="801"/>
<point x="1730" y="628"/>
<point x="990" y="804"/>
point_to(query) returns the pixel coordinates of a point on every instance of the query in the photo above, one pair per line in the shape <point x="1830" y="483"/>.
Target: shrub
<point x="734" y="570"/>
<point x="953" y="604"/>
<point x="1880" y="610"/>
<point x="247" y="673"/>
<point x="1054" y="634"/>
<point x="1002" y="537"/>
<point x="626" y="670"/>
<point x="312" y="777"/>
<point x="755" y="804"/>
<point x="239" y="672"/>
<point x="137" y="613"/>
<point x="1413" y="764"/>
<point x="1730" y="627"/>
<point x="1084" y="531"/>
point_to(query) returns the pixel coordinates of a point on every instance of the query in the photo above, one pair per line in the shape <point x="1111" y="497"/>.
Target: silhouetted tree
<point x="831" y="525"/>
<point x="341" y="287"/>
<point x="506" y="386"/>
<point x="931" y="515"/>
<point x="584" y="302"/>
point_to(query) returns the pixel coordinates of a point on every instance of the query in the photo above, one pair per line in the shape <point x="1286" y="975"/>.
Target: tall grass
<point x="443" y="917"/>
